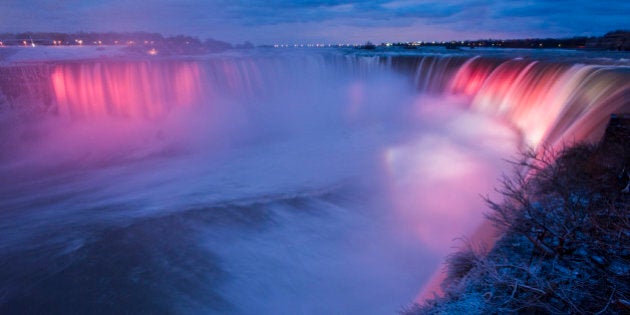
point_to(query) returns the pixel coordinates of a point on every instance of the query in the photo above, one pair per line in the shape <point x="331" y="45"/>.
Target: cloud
<point x="289" y="21"/>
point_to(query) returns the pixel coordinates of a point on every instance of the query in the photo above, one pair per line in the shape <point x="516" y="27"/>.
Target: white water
<point x="302" y="184"/>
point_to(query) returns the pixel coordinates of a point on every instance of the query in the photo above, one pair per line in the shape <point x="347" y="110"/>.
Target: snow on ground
<point x="48" y="53"/>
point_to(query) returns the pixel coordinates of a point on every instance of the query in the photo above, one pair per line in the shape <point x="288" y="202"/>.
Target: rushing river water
<point x="312" y="182"/>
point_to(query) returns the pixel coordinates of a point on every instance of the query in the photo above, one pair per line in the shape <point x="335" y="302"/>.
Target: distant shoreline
<point x="615" y="40"/>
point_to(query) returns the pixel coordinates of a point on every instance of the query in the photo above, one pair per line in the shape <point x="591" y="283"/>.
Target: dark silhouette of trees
<point x="139" y="40"/>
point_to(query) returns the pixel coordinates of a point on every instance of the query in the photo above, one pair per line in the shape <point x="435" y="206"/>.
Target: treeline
<point x="574" y="42"/>
<point x="179" y="43"/>
<point x="616" y="40"/>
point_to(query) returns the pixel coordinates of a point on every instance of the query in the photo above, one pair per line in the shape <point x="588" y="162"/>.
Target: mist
<point x="241" y="184"/>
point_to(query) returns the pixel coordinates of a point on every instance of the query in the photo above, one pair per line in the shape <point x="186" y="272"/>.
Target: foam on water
<point x="263" y="183"/>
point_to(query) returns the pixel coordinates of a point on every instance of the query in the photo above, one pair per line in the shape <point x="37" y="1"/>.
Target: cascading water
<point x="549" y="102"/>
<point x="317" y="182"/>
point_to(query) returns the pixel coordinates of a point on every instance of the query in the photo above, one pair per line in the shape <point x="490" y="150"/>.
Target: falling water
<point x="549" y="102"/>
<point x="319" y="182"/>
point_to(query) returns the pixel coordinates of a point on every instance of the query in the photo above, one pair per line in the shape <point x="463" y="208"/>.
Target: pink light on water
<point x="126" y="89"/>
<point x="470" y="77"/>
<point x="434" y="181"/>
<point x="546" y="101"/>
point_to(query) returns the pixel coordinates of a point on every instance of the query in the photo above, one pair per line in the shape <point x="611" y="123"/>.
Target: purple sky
<point x="309" y="21"/>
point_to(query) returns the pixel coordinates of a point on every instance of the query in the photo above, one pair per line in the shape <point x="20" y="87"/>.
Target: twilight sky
<point x="329" y="21"/>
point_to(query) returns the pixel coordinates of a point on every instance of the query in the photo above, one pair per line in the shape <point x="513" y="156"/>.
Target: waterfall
<point x="549" y="101"/>
<point x="265" y="181"/>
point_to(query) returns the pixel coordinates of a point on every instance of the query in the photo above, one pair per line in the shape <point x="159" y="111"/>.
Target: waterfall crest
<point x="548" y="101"/>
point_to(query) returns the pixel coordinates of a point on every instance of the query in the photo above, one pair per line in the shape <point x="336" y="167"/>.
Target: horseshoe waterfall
<point x="310" y="181"/>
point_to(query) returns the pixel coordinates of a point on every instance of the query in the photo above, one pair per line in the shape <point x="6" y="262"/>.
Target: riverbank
<point x="565" y="244"/>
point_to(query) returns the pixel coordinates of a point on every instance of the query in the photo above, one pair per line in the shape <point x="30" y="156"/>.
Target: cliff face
<point x="617" y="40"/>
<point x="618" y="130"/>
<point x="25" y="87"/>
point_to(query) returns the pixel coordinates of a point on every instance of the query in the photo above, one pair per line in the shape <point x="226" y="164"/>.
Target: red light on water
<point x="127" y="89"/>
<point x="540" y="99"/>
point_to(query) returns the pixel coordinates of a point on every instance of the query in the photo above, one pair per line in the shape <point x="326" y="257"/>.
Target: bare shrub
<point x="567" y="205"/>
<point x="565" y="247"/>
<point x="461" y="262"/>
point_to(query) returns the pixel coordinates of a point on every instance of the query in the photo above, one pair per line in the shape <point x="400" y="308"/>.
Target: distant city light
<point x="152" y="52"/>
<point x="524" y="43"/>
